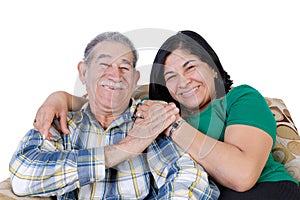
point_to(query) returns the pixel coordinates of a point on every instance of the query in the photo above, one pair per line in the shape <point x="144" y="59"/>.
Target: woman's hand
<point x="152" y="118"/>
<point x="56" y="105"/>
<point x="149" y="123"/>
<point x="147" y="103"/>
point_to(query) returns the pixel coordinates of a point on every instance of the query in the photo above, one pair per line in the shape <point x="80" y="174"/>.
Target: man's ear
<point x="136" y="77"/>
<point x="82" y="69"/>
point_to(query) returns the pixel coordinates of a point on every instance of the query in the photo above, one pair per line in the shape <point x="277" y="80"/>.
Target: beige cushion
<point x="287" y="148"/>
<point x="7" y="194"/>
<point x="141" y="92"/>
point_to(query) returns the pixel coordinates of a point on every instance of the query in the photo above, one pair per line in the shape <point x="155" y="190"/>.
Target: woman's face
<point x="189" y="80"/>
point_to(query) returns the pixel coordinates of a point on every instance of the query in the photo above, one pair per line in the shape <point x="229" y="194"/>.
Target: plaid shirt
<point x="73" y="166"/>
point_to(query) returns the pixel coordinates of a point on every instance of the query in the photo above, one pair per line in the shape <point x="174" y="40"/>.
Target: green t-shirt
<point x="242" y="105"/>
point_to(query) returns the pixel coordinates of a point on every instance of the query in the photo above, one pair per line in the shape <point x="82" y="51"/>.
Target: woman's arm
<point x="56" y="105"/>
<point x="235" y="163"/>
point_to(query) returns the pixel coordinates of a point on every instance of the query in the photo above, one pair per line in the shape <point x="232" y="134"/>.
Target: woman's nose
<point x="183" y="81"/>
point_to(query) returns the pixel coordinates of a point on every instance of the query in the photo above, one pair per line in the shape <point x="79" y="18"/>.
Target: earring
<point x="215" y="75"/>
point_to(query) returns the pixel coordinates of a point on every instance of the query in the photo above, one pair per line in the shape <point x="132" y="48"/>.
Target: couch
<point x="286" y="149"/>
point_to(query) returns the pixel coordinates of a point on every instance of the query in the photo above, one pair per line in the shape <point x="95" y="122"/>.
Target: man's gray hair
<point x="110" y="36"/>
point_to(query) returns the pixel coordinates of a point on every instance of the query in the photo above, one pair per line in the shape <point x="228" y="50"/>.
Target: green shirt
<point x="242" y="105"/>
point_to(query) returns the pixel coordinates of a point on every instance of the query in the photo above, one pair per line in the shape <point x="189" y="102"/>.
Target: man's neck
<point x="105" y="115"/>
<point x="105" y="121"/>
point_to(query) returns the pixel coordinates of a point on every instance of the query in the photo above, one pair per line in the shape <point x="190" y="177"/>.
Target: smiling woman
<point x="229" y="131"/>
<point x="182" y="67"/>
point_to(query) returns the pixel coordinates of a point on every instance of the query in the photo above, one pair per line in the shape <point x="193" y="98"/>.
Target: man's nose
<point x="114" y="71"/>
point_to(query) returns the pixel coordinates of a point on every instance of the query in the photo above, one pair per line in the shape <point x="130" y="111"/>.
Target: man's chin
<point x="113" y="102"/>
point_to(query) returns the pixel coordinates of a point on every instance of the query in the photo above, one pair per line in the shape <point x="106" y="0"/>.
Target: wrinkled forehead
<point x="112" y="50"/>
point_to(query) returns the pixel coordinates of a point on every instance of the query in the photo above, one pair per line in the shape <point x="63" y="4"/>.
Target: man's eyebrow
<point x="124" y="60"/>
<point x="127" y="62"/>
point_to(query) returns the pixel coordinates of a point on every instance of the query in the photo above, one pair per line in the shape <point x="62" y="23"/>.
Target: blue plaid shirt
<point x="73" y="166"/>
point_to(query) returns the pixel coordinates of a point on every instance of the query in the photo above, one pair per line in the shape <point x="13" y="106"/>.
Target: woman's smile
<point x="189" y="93"/>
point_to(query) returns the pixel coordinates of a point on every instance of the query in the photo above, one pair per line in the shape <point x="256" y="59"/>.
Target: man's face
<point x="110" y="77"/>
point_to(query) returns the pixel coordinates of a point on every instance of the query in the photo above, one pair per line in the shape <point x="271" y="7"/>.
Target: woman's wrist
<point x="74" y="102"/>
<point x="175" y="126"/>
<point x="184" y="136"/>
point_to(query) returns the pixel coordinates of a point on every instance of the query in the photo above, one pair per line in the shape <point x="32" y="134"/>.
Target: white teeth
<point x="189" y="93"/>
<point x="186" y="93"/>
<point x="111" y="84"/>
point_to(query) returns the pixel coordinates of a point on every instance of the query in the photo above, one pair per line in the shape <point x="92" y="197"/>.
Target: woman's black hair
<point x="196" y="45"/>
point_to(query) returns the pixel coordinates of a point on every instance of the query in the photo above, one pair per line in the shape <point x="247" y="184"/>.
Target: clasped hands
<point x="152" y="118"/>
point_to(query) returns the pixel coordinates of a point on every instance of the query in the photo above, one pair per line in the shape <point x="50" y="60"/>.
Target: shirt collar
<point x="126" y="117"/>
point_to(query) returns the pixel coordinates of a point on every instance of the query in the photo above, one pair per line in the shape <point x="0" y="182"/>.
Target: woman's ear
<point x="215" y="74"/>
<point x="82" y="69"/>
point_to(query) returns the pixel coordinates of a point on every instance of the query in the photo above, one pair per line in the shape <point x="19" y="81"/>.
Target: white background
<point x="42" y="41"/>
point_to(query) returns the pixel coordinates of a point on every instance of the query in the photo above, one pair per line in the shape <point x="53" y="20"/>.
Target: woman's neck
<point x="188" y="111"/>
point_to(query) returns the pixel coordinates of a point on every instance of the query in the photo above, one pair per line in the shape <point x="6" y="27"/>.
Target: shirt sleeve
<point x="247" y="106"/>
<point x="51" y="167"/>
<point x="176" y="174"/>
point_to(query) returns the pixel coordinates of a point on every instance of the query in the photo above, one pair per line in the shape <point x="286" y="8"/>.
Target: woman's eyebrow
<point x="187" y="62"/>
<point x="169" y="72"/>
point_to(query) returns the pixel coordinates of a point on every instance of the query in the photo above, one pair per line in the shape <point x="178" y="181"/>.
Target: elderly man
<point x="102" y="156"/>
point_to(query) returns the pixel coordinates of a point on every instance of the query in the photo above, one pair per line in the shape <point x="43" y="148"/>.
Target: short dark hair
<point x="196" y="45"/>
